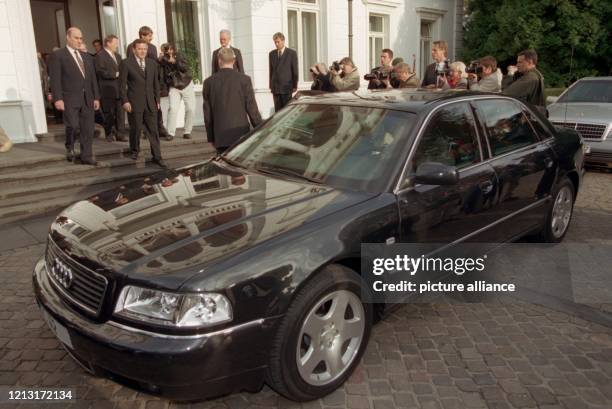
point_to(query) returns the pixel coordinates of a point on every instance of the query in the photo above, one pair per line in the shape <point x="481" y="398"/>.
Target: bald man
<point x="75" y="92"/>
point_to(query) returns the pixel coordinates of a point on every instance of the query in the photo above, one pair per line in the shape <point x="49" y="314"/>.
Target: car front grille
<point x="594" y="132"/>
<point x="600" y="158"/>
<point x="78" y="284"/>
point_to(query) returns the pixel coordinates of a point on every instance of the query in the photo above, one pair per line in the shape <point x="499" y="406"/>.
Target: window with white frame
<point x="378" y="37"/>
<point x="302" y="33"/>
<point x="426" y="43"/>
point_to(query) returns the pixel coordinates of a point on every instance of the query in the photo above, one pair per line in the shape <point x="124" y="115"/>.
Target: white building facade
<point x="318" y="29"/>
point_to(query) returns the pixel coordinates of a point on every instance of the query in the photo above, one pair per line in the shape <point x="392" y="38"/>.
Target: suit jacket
<point x="107" y="70"/>
<point x="430" y="77"/>
<point x="140" y="89"/>
<point x="229" y="105"/>
<point x="238" y="65"/>
<point x="283" y="71"/>
<point x="67" y="82"/>
<point x="151" y="51"/>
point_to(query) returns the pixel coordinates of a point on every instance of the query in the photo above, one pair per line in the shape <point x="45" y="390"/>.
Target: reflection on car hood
<point x="171" y="222"/>
<point x="581" y="111"/>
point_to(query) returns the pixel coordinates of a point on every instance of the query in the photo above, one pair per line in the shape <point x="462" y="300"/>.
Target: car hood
<point x="580" y="111"/>
<point x="172" y="224"/>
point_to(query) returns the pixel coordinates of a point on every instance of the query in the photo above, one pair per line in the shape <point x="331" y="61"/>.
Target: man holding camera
<point x="381" y="72"/>
<point x="404" y="78"/>
<point x="486" y="68"/>
<point x="177" y="77"/>
<point x="439" y="67"/>
<point x="321" y="78"/>
<point x="528" y="82"/>
<point x="345" y="76"/>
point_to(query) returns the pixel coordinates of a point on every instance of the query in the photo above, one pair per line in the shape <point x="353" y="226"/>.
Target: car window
<point x="541" y="129"/>
<point x="450" y="138"/>
<point x="343" y="146"/>
<point x="507" y="127"/>
<point x="589" y="91"/>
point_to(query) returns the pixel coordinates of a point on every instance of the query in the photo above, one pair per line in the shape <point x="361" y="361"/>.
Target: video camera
<point x="474" y="68"/>
<point x="443" y="70"/>
<point x="335" y="66"/>
<point x="380" y="74"/>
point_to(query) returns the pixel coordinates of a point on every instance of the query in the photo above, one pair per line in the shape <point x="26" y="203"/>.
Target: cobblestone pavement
<point x="436" y="356"/>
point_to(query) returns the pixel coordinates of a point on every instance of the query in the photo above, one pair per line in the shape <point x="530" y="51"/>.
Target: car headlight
<point x="173" y="309"/>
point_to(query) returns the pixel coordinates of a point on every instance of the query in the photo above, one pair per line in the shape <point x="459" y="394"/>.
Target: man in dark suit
<point x="139" y="88"/>
<point x="146" y="33"/>
<point x="283" y="72"/>
<point x="75" y="92"/>
<point x="229" y="103"/>
<point x="225" y="36"/>
<point x="439" y="53"/>
<point x="107" y="67"/>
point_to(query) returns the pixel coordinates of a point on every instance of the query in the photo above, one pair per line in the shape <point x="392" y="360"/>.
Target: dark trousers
<point x="113" y="116"/>
<point x="79" y="121"/>
<point x="148" y="121"/>
<point x="160" y="123"/>
<point x="280" y="100"/>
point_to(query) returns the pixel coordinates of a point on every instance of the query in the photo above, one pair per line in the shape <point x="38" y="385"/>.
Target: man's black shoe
<point x="88" y="162"/>
<point x="187" y="136"/>
<point x="160" y="163"/>
<point x="121" y="137"/>
<point x="69" y="156"/>
<point x="110" y="137"/>
<point x="169" y="137"/>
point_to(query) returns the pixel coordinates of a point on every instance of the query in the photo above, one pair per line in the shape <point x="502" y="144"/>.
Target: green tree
<point x="556" y="29"/>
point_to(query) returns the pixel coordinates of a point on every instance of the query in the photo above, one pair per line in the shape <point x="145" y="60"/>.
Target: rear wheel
<point x="560" y="213"/>
<point x="322" y="337"/>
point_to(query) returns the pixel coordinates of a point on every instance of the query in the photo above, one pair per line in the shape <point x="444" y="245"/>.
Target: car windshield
<point x="589" y="91"/>
<point x="347" y="147"/>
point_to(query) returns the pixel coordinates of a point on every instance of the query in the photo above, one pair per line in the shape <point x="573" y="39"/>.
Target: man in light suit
<point x="283" y="72"/>
<point x="230" y="108"/>
<point x="75" y="92"/>
<point x="107" y="62"/>
<point x="139" y="88"/>
<point x="225" y="36"/>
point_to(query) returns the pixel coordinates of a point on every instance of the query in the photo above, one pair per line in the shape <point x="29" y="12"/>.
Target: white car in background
<point x="586" y="106"/>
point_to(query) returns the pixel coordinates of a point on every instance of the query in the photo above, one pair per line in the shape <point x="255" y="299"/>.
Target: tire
<point x="560" y="213"/>
<point x="318" y="345"/>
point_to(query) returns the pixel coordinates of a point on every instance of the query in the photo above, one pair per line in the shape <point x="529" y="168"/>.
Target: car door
<point x="449" y="213"/>
<point x="524" y="163"/>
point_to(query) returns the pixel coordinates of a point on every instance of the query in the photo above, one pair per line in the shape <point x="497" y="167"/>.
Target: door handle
<point x="486" y="187"/>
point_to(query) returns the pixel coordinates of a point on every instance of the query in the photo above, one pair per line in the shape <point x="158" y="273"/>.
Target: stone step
<point x="58" y="195"/>
<point x="44" y="154"/>
<point x="63" y="171"/>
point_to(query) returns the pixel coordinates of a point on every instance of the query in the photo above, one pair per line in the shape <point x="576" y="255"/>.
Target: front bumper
<point x="176" y="367"/>
<point x="600" y="153"/>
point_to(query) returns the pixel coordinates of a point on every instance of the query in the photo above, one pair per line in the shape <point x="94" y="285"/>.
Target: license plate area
<point x="58" y="329"/>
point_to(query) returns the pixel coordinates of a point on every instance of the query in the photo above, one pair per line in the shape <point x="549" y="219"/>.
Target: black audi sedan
<point x="245" y="269"/>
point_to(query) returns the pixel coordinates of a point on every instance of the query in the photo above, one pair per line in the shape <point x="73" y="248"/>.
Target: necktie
<point x="142" y="65"/>
<point x="280" y="53"/>
<point x="80" y="61"/>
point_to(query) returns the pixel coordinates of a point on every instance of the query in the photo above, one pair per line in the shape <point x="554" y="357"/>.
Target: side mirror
<point x="551" y="100"/>
<point x="433" y="173"/>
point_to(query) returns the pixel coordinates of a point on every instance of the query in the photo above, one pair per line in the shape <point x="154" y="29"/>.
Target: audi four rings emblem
<point x="62" y="273"/>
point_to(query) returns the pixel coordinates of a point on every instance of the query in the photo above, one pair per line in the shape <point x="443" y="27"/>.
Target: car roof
<point x="595" y="79"/>
<point x="411" y="100"/>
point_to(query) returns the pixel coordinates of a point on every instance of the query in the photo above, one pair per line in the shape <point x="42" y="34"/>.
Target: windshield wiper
<point x="231" y="162"/>
<point x="286" y="172"/>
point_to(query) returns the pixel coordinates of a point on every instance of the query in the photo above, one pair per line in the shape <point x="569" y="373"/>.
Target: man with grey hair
<point x="283" y="68"/>
<point x="225" y="37"/>
<point x="230" y="108"/>
<point x="347" y="79"/>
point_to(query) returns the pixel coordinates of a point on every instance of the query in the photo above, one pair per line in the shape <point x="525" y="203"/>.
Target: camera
<point x="379" y="74"/>
<point x="335" y="66"/>
<point x="474" y="68"/>
<point x="443" y="70"/>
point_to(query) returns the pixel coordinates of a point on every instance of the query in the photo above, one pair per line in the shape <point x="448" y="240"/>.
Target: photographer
<point x="404" y="78"/>
<point x="486" y="68"/>
<point x="346" y="78"/>
<point x="320" y="78"/>
<point x="177" y="77"/>
<point x="456" y="79"/>
<point x="376" y="76"/>
<point x="528" y="82"/>
<point x="439" y="67"/>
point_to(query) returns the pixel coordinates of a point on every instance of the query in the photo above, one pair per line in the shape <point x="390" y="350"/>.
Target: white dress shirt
<point x="74" y="57"/>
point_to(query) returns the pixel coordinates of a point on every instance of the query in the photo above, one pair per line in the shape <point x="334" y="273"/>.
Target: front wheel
<point x="560" y="213"/>
<point x="322" y="337"/>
